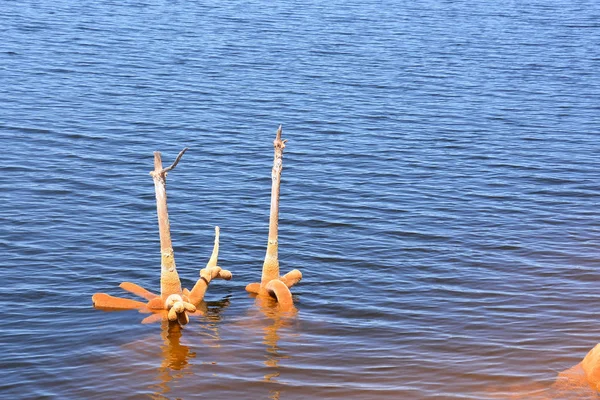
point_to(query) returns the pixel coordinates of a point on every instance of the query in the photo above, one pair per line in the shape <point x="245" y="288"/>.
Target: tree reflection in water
<point x="278" y="317"/>
<point x="175" y="355"/>
<point x="570" y="384"/>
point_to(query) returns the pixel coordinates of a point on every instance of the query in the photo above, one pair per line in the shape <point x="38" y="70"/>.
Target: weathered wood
<point x="271" y="283"/>
<point x="174" y="303"/>
<point x="106" y="301"/>
<point x="169" y="278"/>
<point x="138" y="290"/>
<point x="207" y="274"/>
<point x="271" y="264"/>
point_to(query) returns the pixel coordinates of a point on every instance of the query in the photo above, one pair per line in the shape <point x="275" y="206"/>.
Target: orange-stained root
<point x="106" y="301"/>
<point x="291" y="278"/>
<point x="173" y="303"/>
<point x="580" y="381"/>
<point x="207" y="274"/>
<point x="281" y="292"/>
<point x="138" y="290"/>
<point x="271" y="282"/>
<point x="253" y="287"/>
<point x="156" y="303"/>
<point x="591" y="366"/>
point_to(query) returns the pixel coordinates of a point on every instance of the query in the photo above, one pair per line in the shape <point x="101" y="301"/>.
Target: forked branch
<point x="176" y="161"/>
<point x="173" y="303"/>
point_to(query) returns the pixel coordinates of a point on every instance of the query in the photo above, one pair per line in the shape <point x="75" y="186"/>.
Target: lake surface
<point x="440" y="194"/>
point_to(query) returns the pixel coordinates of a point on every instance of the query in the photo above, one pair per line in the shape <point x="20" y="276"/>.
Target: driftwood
<point x="173" y="303"/>
<point x="272" y="283"/>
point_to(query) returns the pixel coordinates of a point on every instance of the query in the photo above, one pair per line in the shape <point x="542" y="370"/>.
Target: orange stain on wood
<point x="272" y="284"/>
<point x="174" y="303"/>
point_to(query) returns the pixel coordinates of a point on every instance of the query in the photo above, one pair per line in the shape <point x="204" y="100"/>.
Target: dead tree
<point x="174" y="303"/>
<point x="271" y="283"/>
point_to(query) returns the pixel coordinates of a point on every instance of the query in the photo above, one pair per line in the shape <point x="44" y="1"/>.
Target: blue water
<point x="440" y="194"/>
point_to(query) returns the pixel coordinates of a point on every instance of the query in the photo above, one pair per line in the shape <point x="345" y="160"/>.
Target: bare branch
<point x="176" y="161"/>
<point x="278" y="143"/>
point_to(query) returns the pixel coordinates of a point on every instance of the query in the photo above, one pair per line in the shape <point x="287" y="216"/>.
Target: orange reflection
<point x="570" y="384"/>
<point x="176" y="357"/>
<point x="279" y="317"/>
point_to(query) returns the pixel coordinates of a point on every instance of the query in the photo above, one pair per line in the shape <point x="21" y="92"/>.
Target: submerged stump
<point x="173" y="303"/>
<point x="272" y="284"/>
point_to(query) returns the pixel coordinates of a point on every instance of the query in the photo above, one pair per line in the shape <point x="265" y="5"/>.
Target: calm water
<point x="440" y="194"/>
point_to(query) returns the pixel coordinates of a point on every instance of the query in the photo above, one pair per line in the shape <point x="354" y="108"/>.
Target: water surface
<point x="440" y="195"/>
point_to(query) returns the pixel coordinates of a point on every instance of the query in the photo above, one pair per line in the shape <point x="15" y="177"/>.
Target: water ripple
<point x="439" y="195"/>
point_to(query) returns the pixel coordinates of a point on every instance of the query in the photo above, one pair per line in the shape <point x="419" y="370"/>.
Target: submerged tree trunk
<point x="271" y="283"/>
<point x="173" y="302"/>
<point x="271" y="263"/>
<point x="169" y="278"/>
